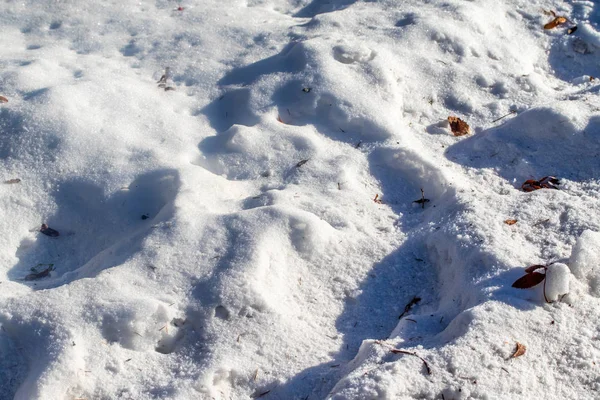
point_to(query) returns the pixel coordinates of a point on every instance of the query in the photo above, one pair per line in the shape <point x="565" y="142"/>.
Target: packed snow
<point x="252" y="199"/>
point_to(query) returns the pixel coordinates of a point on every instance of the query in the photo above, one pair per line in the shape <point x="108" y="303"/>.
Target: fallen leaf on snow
<point x="510" y="221"/>
<point x="12" y="181"/>
<point x="458" y="126"/>
<point x="519" y="351"/>
<point x="41" y="274"/>
<point x="555" y="22"/>
<point x="49" y="231"/>
<point x="3" y="99"/>
<point x="529" y="280"/>
<point x="547" y="182"/>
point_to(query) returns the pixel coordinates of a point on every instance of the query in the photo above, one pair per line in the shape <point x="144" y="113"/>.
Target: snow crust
<point x="255" y="230"/>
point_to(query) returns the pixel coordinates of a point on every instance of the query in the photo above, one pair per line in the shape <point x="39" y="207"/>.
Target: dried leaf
<point x="415" y="300"/>
<point x="572" y="30"/>
<point x="49" y="231"/>
<point x="301" y="163"/>
<point x="555" y="22"/>
<point x="3" y="99"/>
<point x="547" y="182"/>
<point x="458" y="126"/>
<point x="510" y="221"/>
<point x="12" y="181"/>
<point x="532" y="268"/>
<point x="377" y="199"/>
<point x="519" y="351"/>
<point x="529" y="280"/>
<point x="38" y="275"/>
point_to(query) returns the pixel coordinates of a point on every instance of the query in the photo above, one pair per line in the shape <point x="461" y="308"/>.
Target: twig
<point x="504" y="116"/>
<point x="398" y="351"/>
<point x="301" y="163"/>
<point x="422" y="200"/>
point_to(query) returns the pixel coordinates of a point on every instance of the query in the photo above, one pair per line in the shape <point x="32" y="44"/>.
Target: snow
<point x="221" y="240"/>
<point x="585" y="260"/>
<point x="557" y="281"/>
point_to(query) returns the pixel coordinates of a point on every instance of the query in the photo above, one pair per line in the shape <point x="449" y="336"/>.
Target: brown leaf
<point x="510" y="221"/>
<point x="555" y="22"/>
<point x="519" y="351"/>
<point x="529" y="280"/>
<point x="547" y="182"/>
<point x="532" y="268"/>
<point x="12" y="181"/>
<point x="49" y="231"/>
<point x="38" y="275"/>
<point x="458" y="126"/>
<point x="3" y="99"/>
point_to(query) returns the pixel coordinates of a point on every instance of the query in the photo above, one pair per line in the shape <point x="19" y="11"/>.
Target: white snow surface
<point x="221" y="240"/>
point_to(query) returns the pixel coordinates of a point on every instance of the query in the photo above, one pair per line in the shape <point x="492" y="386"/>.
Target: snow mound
<point x="585" y="260"/>
<point x="557" y="281"/>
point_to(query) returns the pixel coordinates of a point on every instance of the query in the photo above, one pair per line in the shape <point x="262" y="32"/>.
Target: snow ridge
<point x="256" y="232"/>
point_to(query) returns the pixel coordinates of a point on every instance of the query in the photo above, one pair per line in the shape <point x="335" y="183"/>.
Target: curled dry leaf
<point x="547" y="182"/>
<point x="12" y="181"/>
<point x="555" y="22"/>
<point x="458" y="126"/>
<point x="510" y="221"/>
<point x="529" y="280"/>
<point x="3" y="99"/>
<point x="519" y="351"/>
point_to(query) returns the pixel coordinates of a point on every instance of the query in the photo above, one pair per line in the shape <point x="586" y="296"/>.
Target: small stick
<point x="398" y="351"/>
<point x="504" y="116"/>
